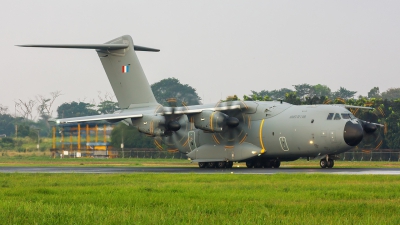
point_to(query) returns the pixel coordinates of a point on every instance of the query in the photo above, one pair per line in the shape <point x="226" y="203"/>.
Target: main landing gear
<point x="327" y="163"/>
<point x="263" y="163"/>
<point x="221" y="164"/>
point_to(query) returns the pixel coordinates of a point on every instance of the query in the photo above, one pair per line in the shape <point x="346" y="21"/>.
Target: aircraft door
<point x="192" y="140"/>
<point x="283" y="143"/>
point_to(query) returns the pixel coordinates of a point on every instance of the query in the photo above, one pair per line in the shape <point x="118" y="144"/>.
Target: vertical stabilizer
<point x="123" y="70"/>
<point x="126" y="75"/>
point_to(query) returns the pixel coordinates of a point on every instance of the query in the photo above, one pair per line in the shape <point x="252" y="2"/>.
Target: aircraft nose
<point x="353" y="133"/>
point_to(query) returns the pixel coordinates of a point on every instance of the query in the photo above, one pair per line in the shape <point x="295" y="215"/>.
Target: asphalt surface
<point x="235" y="170"/>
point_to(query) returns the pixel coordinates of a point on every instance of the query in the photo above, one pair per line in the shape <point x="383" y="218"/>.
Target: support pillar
<point x="87" y="140"/>
<point x="54" y="138"/>
<point x="105" y="134"/>
<point x="97" y="133"/>
<point x="62" y="140"/>
<point x="79" y="137"/>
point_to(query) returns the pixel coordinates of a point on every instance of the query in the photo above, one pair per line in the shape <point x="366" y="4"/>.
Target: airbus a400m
<point x="262" y="134"/>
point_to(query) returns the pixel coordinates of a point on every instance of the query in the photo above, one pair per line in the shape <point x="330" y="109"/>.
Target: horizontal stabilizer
<point x="95" y="46"/>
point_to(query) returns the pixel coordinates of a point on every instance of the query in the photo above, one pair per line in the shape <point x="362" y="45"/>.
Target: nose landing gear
<point x="326" y="163"/>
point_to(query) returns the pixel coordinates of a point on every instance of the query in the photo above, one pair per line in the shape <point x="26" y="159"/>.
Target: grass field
<point x="198" y="199"/>
<point x="17" y="159"/>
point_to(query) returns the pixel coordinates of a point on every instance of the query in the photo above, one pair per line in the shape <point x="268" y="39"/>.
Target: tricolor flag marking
<point x="125" y="69"/>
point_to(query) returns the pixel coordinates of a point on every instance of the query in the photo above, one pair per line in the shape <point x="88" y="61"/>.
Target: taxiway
<point x="235" y="170"/>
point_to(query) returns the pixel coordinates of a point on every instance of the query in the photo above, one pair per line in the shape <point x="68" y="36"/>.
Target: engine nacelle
<point x="150" y="125"/>
<point x="210" y="121"/>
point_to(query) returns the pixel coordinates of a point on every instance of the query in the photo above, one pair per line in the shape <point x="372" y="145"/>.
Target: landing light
<point x="311" y="142"/>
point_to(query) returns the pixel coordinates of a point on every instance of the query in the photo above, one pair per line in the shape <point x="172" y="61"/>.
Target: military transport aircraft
<point x="262" y="134"/>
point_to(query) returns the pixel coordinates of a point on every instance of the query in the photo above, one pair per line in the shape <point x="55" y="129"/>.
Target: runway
<point x="183" y="170"/>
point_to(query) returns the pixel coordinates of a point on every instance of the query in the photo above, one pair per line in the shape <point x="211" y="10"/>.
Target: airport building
<point x="82" y="140"/>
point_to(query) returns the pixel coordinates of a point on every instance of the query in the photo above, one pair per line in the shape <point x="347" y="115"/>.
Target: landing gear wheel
<point x="268" y="164"/>
<point x="330" y="163"/>
<point x="221" y="164"/>
<point x="229" y="164"/>
<point x="258" y="164"/>
<point x="323" y="163"/>
<point x="211" y="164"/>
<point x="277" y="164"/>
<point x="249" y="164"/>
<point x="202" y="164"/>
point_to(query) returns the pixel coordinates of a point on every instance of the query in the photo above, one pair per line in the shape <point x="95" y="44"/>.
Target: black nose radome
<point x="353" y="133"/>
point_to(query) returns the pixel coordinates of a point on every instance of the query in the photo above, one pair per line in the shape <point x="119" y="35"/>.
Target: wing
<point x="116" y="117"/>
<point x="220" y="106"/>
<point x="352" y="106"/>
<point x="135" y="113"/>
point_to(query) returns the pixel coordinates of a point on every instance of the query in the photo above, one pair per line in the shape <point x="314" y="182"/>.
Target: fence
<point x="384" y="155"/>
<point x="153" y="154"/>
<point x="126" y="153"/>
<point x="370" y="156"/>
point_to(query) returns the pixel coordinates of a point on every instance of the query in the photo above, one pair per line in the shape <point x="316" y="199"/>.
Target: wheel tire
<point x="258" y="164"/>
<point x="249" y="164"/>
<point x="277" y="164"/>
<point x="211" y="164"/>
<point x="330" y="163"/>
<point x="229" y="164"/>
<point x="268" y="164"/>
<point x="221" y="164"/>
<point x="323" y="163"/>
<point x="202" y="164"/>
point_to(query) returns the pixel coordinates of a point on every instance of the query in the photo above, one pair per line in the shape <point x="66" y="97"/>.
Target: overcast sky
<point x="220" y="48"/>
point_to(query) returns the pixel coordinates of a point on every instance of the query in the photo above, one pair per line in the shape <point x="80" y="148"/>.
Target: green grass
<point x="16" y="159"/>
<point x="198" y="199"/>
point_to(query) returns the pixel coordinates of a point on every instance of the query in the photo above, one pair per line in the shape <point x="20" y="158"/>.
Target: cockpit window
<point x="330" y="116"/>
<point x="346" y="116"/>
<point x="337" y="116"/>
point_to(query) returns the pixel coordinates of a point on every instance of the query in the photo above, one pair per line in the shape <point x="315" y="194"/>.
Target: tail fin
<point x="123" y="70"/>
<point x="126" y="75"/>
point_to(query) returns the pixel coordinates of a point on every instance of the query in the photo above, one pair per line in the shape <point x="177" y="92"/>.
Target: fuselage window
<point x="346" y="116"/>
<point x="337" y="116"/>
<point x="330" y="116"/>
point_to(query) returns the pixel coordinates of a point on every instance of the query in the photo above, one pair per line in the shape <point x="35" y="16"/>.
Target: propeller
<point x="372" y="133"/>
<point x="173" y="133"/>
<point x="233" y="131"/>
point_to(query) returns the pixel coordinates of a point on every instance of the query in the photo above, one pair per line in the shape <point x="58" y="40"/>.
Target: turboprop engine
<point x="150" y="125"/>
<point x="214" y="121"/>
<point x="210" y="121"/>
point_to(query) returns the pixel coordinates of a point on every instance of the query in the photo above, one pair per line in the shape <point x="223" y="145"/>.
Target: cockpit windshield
<point x="337" y="116"/>
<point x="347" y="116"/>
